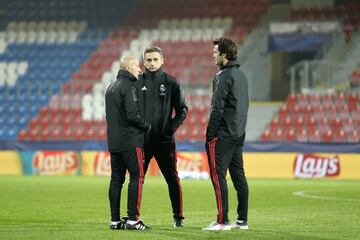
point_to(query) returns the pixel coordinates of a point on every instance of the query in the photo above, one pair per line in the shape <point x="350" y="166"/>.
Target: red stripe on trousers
<point x="139" y="154"/>
<point x="215" y="178"/>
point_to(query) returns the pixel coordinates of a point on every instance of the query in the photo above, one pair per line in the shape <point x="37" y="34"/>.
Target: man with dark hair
<point x="125" y="135"/>
<point x="162" y="95"/>
<point x="225" y="134"/>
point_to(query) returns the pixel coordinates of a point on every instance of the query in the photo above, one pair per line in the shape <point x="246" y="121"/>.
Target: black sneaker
<point x="119" y="226"/>
<point x="240" y="224"/>
<point x="178" y="222"/>
<point x="139" y="225"/>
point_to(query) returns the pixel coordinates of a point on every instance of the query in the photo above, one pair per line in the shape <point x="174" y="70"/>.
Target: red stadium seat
<point x="353" y="137"/>
<point x="23" y="135"/>
<point x="101" y="135"/>
<point x="302" y="136"/>
<point x="290" y="135"/>
<point x="274" y="122"/>
<point x="313" y="136"/>
<point x="327" y="137"/>
<point x="336" y="123"/>
<point x="33" y="135"/>
<point x="278" y="136"/>
<point x="340" y="137"/>
<point x="89" y="134"/>
<point x="265" y="136"/>
<point x="44" y="135"/>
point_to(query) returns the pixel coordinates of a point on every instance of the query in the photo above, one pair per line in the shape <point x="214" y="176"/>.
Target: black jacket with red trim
<point x="161" y="96"/>
<point x="125" y="124"/>
<point x="229" y="104"/>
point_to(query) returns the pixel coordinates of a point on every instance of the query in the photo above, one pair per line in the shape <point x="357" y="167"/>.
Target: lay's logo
<point x="185" y="163"/>
<point x="55" y="162"/>
<point x="311" y="165"/>
<point x="102" y="165"/>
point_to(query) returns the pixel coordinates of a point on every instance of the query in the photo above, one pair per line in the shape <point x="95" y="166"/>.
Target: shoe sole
<point x="227" y="228"/>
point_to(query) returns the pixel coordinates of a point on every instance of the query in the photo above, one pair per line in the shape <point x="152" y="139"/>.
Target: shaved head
<point x="126" y="60"/>
<point x="130" y="64"/>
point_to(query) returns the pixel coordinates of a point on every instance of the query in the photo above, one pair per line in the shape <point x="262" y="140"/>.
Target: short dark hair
<point x="153" y="49"/>
<point x="227" y="46"/>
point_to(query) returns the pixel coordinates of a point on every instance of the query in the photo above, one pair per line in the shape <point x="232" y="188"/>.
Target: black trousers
<point x="165" y="156"/>
<point x="222" y="156"/>
<point x="131" y="160"/>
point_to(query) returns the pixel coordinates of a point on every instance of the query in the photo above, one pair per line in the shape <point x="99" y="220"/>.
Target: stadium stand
<point x="347" y="12"/>
<point x="57" y="61"/>
<point x="42" y="44"/>
<point x="316" y="118"/>
<point x="58" y="57"/>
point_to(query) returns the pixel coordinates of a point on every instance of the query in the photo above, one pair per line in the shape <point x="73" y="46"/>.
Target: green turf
<point x="77" y="208"/>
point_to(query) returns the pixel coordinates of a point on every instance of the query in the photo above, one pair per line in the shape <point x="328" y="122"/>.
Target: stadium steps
<point x="316" y="118"/>
<point x="259" y="116"/>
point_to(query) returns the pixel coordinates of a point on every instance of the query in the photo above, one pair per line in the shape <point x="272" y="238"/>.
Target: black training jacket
<point x="161" y="95"/>
<point x="229" y="104"/>
<point x="125" y="125"/>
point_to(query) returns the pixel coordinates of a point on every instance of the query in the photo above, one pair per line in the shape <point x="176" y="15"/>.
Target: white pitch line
<point x="305" y="195"/>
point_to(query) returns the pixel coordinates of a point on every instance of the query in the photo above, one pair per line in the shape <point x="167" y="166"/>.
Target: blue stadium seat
<point x="22" y="109"/>
<point x="11" y="120"/>
<point x="2" y="110"/>
<point x="2" y="134"/>
<point x="43" y="100"/>
<point x="12" y="132"/>
<point x="22" y="122"/>
<point x="22" y="99"/>
<point x="44" y="89"/>
<point x="11" y="92"/>
<point x="54" y="87"/>
<point x="2" y="92"/>
<point x="10" y="99"/>
<point x="22" y="78"/>
<point x="21" y="89"/>
<point x="2" y="120"/>
<point x="33" y="110"/>
<point x="11" y="109"/>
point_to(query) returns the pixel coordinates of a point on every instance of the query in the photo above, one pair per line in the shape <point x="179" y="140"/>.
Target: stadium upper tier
<point x="348" y="12"/>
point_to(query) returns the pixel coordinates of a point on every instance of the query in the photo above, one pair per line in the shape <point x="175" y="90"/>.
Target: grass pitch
<point x="78" y="208"/>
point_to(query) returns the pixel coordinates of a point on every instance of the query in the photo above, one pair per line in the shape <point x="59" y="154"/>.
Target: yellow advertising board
<point x="96" y="163"/>
<point x="302" y="165"/>
<point x="190" y="164"/>
<point x="10" y="163"/>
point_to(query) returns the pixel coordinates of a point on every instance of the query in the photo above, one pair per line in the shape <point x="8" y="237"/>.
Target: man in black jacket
<point x="125" y="135"/>
<point x="161" y="95"/>
<point x="225" y="134"/>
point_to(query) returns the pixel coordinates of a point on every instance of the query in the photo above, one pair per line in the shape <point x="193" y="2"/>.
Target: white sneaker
<point x="217" y="227"/>
<point x="240" y="224"/>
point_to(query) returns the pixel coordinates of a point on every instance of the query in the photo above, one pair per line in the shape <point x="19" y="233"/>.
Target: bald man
<point x="125" y="134"/>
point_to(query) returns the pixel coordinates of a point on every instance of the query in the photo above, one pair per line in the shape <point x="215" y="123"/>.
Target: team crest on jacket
<point x="162" y="90"/>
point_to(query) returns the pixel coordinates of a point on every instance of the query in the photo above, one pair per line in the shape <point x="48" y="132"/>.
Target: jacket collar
<point x="233" y="63"/>
<point x="155" y="74"/>
<point x="126" y="74"/>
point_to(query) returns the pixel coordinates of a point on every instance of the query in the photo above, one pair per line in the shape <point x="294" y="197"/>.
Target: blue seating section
<point x="50" y="66"/>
